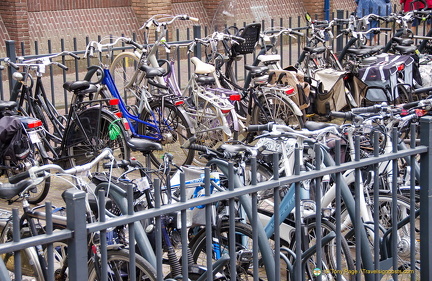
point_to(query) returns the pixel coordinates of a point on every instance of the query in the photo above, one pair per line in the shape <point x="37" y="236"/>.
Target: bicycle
<point x="76" y="137"/>
<point x="233" y="152"/>
<point x="20" y="146"/>
<point x="31" y="223"/>
<point x="159" y="116"/>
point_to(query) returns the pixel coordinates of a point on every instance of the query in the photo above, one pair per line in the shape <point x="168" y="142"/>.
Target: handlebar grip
<point x="422" y="90"/>
<point x="20" y="177"/>
<point x="344" y="115"/>
<point x="257" y="128"/>
<point x="367" y="109"/>
<point x="135" y="44"/>
<point x="62" y="66"/>
<point x="385" y="29"/>
<point x="297" y="33"/>
<point x="240" y="39"/>
<point x="12" y="64"/>
<point x="193" y="19"/>
<point x="320" y="22"/>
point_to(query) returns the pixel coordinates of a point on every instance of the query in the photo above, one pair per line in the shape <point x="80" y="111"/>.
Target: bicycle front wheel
<point x="118" y="267"/>
<point x="167" y="124"/>
<point x="91" y="132"/>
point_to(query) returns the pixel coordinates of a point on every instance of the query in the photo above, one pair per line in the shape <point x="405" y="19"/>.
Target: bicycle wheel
<point x="221" y="246"/>
<point x="385" y="207"/>
<point x="211" y="126"/>
<point x="92" y="131"/>
<point x="329" y="269"/>
<point x="30" y="265"/>
<point x="123" y="69"/>
<point x="173" y="129"/>
<point x="275" y="108"/>
<point x="118" y="264"/>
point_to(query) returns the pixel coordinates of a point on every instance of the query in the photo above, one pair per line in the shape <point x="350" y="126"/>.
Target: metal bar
<point x="426" y="200"/>
<point x="77" y="245"/>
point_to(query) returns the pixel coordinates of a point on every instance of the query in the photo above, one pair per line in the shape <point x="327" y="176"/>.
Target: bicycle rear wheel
<point x="274" y="108"/>
<point x="90" y="133"/>
<point x="174" y="130"/>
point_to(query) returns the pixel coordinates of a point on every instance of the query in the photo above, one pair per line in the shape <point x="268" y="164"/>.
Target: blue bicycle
<point x="161" y="116"/>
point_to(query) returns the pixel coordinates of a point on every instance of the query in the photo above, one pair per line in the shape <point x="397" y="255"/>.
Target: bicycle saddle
<point x="205" y="80"/>
<point x="202" y="67"/>
<point x="7" y="105"/>
<point x="313" y="126"/>
<point x="256" y="70"/>
<point x="152" y="72"/>
<point x="72" y="86"/>
<point x="317" y="50"/>
<point x="360" y="52"/>
<point x="403" y="41"/>
<point x="143" y="145"/>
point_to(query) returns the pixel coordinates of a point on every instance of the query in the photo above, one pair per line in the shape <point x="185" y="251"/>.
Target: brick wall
<point x="15" y="18"/>
<point x="52" y="5"/>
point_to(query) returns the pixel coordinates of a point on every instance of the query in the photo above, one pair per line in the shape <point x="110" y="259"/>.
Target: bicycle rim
<point x="83" y="146"/>
<point x="173" y="132"/>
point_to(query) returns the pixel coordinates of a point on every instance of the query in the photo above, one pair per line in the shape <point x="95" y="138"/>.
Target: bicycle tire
<point x="275" y="108"/>
<point x="385" y="208"/>
<point x="118" y="262"/>
<point x="175" y="130"/>
<point x="83" y="146"/>
<point x="29" y="258"/>
<point x="243" y="233"/>
<point x="211" y="126"/>
<point x="329" y="267"/>
<point x="40" y="192"/>
<point x="123" y="68"/>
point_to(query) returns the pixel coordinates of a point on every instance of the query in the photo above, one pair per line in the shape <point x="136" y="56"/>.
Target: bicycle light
<point x="17" y="76"/>
<point x="235" y="97"/>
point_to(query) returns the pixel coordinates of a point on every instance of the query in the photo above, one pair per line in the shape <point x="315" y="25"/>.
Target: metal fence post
<point x="77" y="246"/>
<point x="339" y="40"/>
<point x="197" y="34"/>
<point x="11" y="54"/>
<point x="426" y="200"/>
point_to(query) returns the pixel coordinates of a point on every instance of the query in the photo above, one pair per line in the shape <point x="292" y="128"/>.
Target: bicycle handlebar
<point x="41" y="61"/>
<point x="38" y="171"/>
<point x="153" y="20"/>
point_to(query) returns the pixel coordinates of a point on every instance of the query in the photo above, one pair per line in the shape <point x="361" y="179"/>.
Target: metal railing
<point x="77" y="230"/>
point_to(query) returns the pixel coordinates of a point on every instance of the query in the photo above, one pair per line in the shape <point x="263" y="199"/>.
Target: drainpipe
<point x="327" y="9"/>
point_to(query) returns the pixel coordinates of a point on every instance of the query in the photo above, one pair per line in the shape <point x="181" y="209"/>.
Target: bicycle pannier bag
<point x="381" y="77"/>
<point x="331" y="91"/>
<point x="14" y="142"/>
<point x="294" y="78"/>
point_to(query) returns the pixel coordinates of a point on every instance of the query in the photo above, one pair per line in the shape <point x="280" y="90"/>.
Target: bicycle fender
<point x="188" y="120"/>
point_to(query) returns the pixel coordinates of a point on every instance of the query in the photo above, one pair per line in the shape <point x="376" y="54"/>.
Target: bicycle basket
<point x="250" y="33"/>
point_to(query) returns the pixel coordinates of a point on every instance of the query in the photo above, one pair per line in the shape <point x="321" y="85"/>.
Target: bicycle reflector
<point x="34" y="124"/>
<point x="289" y="91"/>
<point x="113" y="102"/>
<point x="401" y="67"/>
<point x="178" y="103"/>
<point x="235" y="97"/>
<point x="225" y="111"/>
